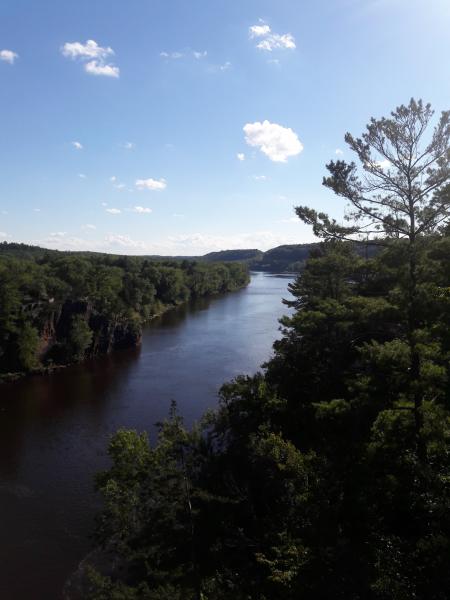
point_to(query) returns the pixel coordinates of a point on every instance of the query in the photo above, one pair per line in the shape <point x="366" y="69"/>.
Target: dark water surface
<point x="54" y="430"/>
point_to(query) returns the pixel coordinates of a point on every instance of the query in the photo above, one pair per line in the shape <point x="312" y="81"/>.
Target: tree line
<point x="327" y="474"/>
<point x="57" y="308"/>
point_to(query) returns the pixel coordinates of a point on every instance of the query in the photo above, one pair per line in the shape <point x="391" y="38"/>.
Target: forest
<point x="327" y="474"/>
<point x="58" y="308"/>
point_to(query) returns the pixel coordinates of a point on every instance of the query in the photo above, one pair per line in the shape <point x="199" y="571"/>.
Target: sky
<point x="188" y="126"/>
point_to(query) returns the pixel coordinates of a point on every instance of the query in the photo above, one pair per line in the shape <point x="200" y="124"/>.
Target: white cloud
<point x="240" y="156"/>
<point x="269" y="41"/>
<point x="383" y="164"/>
<point x="4" y="235"/>
<point x="77" y="145"/>
<point x="142" y="210"/>
<point x="339" y="152"/>
<point x="89" y="50"/>
<point x="104" y="204"/>
<point x="151" y="184"/>
<point x="113" y="178"/>
<point x="97" y="68"/>
<point x="188" y="244"/>
<point x="174" y="55"/>
<point x="113" y="211"/>
<point x="95" y="55"/>
<point x="260" y="177"/>
<point x="199" y="55"/>
<point x="378" y="164"/>
<point x="275" y="42"/>
<point x="198" y="243"/>
<point x="220" y="68"/>
<point x="89" y="227"/>
<point x="275" y="141"/>
<point x="259" y="30"/>
<point x="124" y="241"/>
<point x="81" y="175"/>
<point x="129" y="146"/>
<point x="36" y="210"/>
<point x="8" y="56"/>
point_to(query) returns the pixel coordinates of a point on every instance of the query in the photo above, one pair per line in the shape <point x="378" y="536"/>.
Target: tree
<point x="402" y="192"/>
<point x="27" y="346"/>
<point x="80" y="337"/>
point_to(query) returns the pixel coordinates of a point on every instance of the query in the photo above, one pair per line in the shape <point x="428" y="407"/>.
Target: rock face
<point x="108" y="333"/>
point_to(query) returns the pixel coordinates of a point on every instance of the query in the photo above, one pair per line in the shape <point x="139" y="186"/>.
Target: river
<point x="54" y="429"/>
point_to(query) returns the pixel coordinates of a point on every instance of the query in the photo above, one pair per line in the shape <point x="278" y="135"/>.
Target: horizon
<point x="6" y="242"/>
<point x="178" y="129"/>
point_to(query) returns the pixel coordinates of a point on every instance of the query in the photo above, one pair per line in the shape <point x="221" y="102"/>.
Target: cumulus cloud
<point x="199" y="55"/>
<point x="94" y="57"/>
<point x="151" y="184"/>
<point x="113" y="211"/>
<point x="260" y="177"/>
<point x="269" y="41"/>
<point x="240" y="156"/>
<point x="88" y="50"/>
<point x="8" y="56"/>
<point x="141" y="210"/>
<point x="77" y="145"/>
<point x="97" y="68"/>
<point x="339" y="152"/>
<point x="275" y="141"/>
<point x="259" y="31"/>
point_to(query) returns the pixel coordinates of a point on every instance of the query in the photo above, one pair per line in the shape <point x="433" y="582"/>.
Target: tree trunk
<point x="415" y="393"/>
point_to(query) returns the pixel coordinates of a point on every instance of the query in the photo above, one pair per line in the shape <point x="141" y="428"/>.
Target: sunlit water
<point x="54" y="430"/>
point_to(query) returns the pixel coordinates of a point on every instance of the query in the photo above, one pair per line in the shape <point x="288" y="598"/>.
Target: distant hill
<point x="289" y="258"/>
<point x="233" y="255"/>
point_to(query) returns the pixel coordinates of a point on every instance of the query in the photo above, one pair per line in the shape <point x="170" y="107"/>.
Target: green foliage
<point x="80" y="338"/>
<point x="68" y="305"/>
<point x="27" y="346"/>
<point x="308" y="481"/>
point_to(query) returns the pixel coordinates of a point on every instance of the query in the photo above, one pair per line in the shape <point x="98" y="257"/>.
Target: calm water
<point x="54" y="430"/>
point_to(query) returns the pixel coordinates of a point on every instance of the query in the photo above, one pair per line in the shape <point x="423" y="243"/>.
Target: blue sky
<point x="129" y="143"/>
